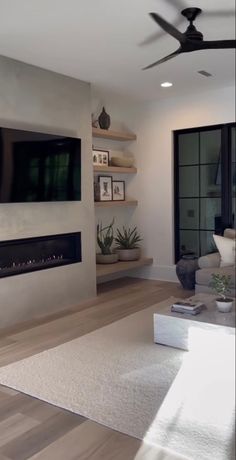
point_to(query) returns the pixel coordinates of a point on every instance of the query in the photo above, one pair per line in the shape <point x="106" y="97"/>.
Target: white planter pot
<point x="224" y="306"/>
<point x="129" y="254"/>
<point x="106" y="258"/>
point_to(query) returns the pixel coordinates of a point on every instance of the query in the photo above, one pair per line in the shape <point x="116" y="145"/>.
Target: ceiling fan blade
<point x="217" y="44"/>
<point x="153" y="37"/>
<point x="167" y="58"/>
<point x="169" y="28"/>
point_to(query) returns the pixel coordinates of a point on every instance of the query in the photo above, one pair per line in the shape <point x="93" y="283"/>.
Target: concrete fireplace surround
<point x="33" y="98"/>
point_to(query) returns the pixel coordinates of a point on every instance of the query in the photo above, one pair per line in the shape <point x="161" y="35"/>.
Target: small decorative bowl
<point x="122" y="162"/>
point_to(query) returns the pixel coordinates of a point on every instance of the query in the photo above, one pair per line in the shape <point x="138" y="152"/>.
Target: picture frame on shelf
<point x="105" y="186"/>
<point x="100" y="157"/>
<point x="118" y="190"/>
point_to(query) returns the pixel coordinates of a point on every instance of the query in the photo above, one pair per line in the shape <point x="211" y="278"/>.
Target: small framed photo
<point x="105" y="185"/>
<point x="118" y="190"/>
<point x="100" y="157"/>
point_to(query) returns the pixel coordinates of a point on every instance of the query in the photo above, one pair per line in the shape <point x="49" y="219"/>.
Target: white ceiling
<point x="107" y="42"/>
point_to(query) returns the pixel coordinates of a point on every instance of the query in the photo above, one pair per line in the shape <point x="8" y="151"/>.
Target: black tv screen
<point x="39" y="167"/>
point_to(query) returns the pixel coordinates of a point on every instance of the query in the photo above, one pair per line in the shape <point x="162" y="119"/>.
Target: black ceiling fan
<point x="191" y="40"/>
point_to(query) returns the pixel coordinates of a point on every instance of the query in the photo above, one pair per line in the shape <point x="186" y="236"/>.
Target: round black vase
<point x="185" y="270"/>
<point x="104" y="119"/>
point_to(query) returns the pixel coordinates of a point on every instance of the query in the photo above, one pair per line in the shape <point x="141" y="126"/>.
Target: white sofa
<point x="211" y="264"/>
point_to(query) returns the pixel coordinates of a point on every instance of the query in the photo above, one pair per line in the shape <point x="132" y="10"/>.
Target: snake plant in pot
<point x="220" y="284"/>
<point x="127" y="244"/>
<point x="105" y="238"/>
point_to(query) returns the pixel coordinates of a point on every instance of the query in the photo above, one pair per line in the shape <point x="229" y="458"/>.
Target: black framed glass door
<point x="203" y="186"/>
<point x="233" y="173"/>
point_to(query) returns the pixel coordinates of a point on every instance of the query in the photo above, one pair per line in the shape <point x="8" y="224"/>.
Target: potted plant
<point x="127" y="244"/>
<point x="105" y="238"/>
<point x="220" y="284"/>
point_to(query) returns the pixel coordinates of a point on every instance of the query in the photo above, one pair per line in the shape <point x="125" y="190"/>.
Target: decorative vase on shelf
<point x="185" y="270"/>
<point x="104" y="119"/>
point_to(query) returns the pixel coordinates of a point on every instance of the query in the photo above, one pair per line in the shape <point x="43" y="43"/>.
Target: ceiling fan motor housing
<point x="192" y="33"/>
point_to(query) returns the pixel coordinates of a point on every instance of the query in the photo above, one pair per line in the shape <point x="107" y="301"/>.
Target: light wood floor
<point x="34" y="430"/>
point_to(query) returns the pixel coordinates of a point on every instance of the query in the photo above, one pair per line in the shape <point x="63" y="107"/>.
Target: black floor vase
<point x="185" y="270"/>
<point x="104" y="119"/>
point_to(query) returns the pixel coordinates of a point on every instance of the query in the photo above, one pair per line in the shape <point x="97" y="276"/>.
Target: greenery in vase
<point x="220" y="284"/>
<point x="105" y="237"/>
<point x="127" y="238"/>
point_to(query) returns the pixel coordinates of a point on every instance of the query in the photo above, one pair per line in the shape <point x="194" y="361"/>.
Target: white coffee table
<point x="177" y="329"/>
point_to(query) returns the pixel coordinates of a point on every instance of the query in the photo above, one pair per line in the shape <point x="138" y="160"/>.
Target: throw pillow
<point x="226" y="248"/>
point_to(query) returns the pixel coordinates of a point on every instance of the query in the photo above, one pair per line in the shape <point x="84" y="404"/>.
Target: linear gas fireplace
<point x="31" y="254"/>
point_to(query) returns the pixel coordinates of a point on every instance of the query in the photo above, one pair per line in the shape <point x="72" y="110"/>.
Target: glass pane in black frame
<point x="189" y="242"/>
<point x="210" y="146"/>
<point x="188" y="181"/>
<point x="210" y="183"/>
<point x="188" y="149"/>
<point x="189" y="213"/>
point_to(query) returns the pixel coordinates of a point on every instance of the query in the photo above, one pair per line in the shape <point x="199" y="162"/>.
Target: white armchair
<point x="209" y="264"/>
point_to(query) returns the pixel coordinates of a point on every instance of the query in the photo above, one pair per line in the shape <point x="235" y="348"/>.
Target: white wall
<point x="32" y="98"/>
<point x="157" y="136"/>
<point x="154" y="124"/>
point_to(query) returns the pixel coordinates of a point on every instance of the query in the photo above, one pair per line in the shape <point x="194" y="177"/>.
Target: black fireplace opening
<point x="39" y="253"/>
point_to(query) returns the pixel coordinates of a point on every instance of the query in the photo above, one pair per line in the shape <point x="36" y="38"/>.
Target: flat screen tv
<point x="39" y="167"/>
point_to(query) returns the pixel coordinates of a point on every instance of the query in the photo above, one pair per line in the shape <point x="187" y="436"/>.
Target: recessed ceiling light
<point x="166" y="84"/>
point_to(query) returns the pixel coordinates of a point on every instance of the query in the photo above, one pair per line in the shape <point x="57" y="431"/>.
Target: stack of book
<point x="192" y="308"/>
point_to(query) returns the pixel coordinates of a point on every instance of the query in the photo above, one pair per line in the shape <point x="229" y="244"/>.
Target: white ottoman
<point x="185" y="331"/>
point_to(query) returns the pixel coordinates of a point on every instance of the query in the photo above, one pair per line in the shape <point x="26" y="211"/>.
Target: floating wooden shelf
<point x="114" y="169"/>
<point x="110" y="269"/>
<point x="113" y="135"/>
<point x="108" y="204"/>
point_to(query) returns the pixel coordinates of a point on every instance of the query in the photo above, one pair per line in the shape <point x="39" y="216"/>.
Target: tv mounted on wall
<point x="39" y="167"/>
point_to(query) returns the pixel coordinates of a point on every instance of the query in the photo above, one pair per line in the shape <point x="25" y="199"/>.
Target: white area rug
<point x="118" y="377"/>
